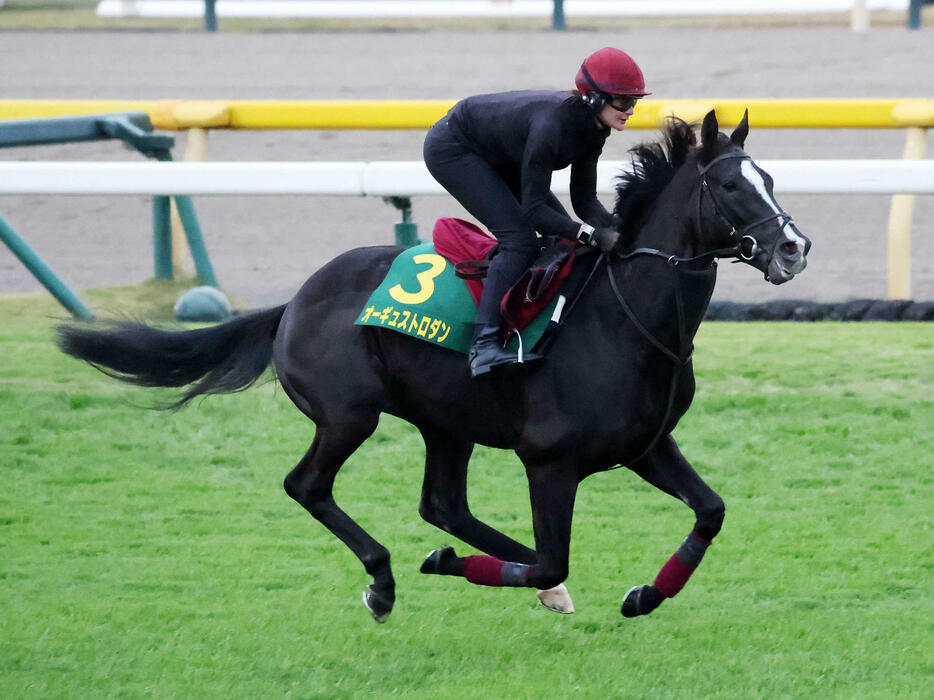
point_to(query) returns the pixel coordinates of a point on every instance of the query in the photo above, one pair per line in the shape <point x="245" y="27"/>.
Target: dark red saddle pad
<point x="458" y="242"/>
<point x="467" y="246"/>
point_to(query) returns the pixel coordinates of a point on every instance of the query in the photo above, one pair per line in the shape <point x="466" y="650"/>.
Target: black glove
<point x="605" y="239"/>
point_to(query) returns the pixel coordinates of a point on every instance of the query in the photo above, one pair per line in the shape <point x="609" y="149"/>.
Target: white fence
<point x="482" y="8"/>
<point x="404" y="178"/>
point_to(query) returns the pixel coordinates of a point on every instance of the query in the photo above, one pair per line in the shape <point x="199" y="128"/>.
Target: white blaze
<point x="755" y="178"/>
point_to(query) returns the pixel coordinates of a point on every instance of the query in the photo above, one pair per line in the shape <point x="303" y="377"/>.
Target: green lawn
<point x="152" y="554"/>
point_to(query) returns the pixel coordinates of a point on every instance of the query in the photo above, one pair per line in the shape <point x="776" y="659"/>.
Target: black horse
<point x="615" y="382"/>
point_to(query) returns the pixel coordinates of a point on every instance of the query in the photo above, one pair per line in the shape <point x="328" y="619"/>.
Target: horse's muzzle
<point x="789" y="257"/>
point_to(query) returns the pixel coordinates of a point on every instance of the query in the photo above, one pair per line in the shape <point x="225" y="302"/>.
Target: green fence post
<point x="162" y="237"/>
<point x="557" y="18"/>
<point x="210" y="16"/>
<point x="199" y="254"/>
<point x="43" y="273"/>
<point x="186" y="212"/>
<point x="406" y="230"/>
<point x="914" y="14"/>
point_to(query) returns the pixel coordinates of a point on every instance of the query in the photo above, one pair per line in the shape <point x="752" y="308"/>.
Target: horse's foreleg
<point x="552" y="490"/>
<point x="311" y="483"/>
<point x="666" y="468"/>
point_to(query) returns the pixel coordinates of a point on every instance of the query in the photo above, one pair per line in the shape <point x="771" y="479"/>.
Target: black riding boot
<point x="487" y="352"/>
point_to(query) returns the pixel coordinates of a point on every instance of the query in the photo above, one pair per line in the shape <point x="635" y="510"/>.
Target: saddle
<point x="470" y="250"/>
<point x="431" y="291"/>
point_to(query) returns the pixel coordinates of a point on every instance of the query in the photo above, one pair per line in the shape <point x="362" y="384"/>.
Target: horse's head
<point x="736" y="207"/>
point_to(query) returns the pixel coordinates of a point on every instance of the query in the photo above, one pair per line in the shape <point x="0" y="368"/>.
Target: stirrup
<point x="487" y="354"/>
<point x="523" y="357"/>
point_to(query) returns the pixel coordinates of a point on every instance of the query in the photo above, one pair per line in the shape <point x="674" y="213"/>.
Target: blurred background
<point x="262" y="248"/>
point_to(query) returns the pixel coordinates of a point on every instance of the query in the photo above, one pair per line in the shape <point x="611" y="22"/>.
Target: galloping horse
<point x="613" y="386"/>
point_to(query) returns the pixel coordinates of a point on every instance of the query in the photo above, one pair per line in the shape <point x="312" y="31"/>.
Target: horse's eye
<point x="729" y="186"/>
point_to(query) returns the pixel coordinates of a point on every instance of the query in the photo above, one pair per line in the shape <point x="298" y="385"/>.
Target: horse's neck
<point x="656" y="288"/>
<point x="669" y="301"/>
<point x="670" y="223"/>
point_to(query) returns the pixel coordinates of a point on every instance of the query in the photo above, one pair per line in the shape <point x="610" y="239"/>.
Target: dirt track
<point x="264" y="247"/>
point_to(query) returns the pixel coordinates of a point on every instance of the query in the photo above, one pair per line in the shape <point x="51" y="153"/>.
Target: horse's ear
<point x="739" y="134"/>
<point x="709" y="132"/>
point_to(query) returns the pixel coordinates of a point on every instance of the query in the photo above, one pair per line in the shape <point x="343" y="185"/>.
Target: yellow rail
<point x="197" y="116"/>
<point x="420" y="114"/>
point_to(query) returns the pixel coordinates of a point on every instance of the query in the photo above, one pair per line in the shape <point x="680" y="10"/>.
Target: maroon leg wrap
<point x="485" y="570"/>
<point x="679" y="568"/>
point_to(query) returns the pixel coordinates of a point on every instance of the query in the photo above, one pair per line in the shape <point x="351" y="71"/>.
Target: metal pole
<point x="161" y="238"/>
<point x="186" y="212"/>
<point x="210" y="16"/>
<point x="914" y="14"/>
<point x="43" y="273"/>
<point x="406" y="231"/>
<point x="557" y="18"/>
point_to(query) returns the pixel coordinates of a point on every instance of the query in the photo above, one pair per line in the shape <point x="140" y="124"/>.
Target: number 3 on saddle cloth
<point x="431" y="290"/>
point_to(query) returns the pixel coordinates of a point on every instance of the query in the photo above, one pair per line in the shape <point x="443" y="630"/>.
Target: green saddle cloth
<point x="422" y="297"/>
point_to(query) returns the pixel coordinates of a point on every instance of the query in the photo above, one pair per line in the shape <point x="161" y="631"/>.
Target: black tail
<point x="221" y="359"/>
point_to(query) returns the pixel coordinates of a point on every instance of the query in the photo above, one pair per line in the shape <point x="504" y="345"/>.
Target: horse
<point x="614" y="384"/>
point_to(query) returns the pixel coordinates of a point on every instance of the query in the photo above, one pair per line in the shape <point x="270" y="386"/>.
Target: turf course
<point x="151" y="554"/>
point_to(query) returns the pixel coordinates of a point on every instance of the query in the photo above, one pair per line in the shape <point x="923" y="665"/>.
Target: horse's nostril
<point x="790" y="248"/>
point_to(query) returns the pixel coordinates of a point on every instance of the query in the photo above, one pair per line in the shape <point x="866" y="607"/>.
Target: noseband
<point x="739" y="236"/>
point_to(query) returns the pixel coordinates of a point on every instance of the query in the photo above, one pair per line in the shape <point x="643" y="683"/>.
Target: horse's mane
<point x="654" y="165"/>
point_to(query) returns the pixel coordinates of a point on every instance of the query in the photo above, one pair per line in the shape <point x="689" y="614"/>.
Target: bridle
<point x="739" y="236"/>
<point x="685" y="351"/>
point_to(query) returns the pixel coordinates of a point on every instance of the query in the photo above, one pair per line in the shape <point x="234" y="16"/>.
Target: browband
<point x="723" y="156"/>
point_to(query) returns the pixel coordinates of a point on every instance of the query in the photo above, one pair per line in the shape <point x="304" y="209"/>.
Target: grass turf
<point x="155" y="554"/>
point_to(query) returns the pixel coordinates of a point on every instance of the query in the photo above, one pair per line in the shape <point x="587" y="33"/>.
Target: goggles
<point x="622" y="103"/>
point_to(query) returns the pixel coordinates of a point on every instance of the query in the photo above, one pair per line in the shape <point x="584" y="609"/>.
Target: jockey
<point x="495" y="154"/>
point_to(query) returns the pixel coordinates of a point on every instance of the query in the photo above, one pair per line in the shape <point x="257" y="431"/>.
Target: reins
<point x="682" y="358"/>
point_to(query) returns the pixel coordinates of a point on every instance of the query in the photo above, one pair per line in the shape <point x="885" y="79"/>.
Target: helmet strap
<point x="589" y="78"/>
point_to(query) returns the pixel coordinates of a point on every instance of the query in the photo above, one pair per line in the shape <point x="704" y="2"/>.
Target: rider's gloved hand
<point x="605" y="239"/>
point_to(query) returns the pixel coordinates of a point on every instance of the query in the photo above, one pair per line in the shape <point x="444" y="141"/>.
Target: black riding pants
<point x="484" y="192"/>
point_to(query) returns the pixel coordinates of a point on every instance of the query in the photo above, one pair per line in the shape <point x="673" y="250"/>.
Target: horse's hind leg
<point x="444" y="505"/>
<point x="666" y="468"/>
<point x="311" y="484"/>
<point x="552" y="488"/>
<point x="444" y="499"/>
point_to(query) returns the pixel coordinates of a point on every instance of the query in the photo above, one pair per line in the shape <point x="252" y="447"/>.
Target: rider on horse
<point x="495" y="154"/>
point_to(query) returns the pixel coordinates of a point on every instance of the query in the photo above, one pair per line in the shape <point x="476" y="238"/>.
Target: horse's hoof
<point x="438" y="561"/>
<point x="641" y="600"/>
<point x="557" y="599"/>
<point x="378" y="604"/>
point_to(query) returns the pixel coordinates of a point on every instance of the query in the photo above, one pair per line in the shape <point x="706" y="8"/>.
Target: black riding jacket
<point x="527" y="135"/>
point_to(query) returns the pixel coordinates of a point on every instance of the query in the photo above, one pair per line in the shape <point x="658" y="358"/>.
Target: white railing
<point x="404" y="178"/>
<point x="482" y="8"/>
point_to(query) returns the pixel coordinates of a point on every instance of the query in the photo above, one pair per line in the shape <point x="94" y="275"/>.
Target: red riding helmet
<point x="611" y="71"/>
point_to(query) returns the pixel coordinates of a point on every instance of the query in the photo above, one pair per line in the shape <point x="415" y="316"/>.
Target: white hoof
<point x="557" y="599"/>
